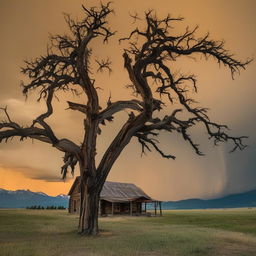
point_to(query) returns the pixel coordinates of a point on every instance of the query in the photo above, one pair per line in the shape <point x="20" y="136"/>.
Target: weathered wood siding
<point x="105" y="206"/>
<point x="119" y="208"/>
<point x="74" y="201"/>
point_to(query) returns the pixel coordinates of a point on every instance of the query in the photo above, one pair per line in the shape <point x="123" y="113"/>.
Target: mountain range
<point x="27" y="198"/>
<point x="246" y="199"/>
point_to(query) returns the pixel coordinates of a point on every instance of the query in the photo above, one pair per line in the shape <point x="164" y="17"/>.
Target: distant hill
<point x="24" y="198"/>
<point x="247" y="199"/>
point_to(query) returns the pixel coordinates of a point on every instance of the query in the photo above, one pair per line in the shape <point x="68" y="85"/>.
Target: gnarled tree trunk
<point x="89" y="207"/>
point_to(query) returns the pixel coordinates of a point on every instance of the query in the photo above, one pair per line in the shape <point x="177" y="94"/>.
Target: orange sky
<point x="25" y="26"/>
<point x="15" y="179"/>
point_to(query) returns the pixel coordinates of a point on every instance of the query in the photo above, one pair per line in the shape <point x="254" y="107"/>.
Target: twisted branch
<point x="152" y="58"/>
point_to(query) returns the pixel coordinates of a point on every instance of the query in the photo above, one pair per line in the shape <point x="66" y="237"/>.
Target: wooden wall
<point x="119" y="208"/>
<point x="74" y="201"/>
<point x="105" y="206"/>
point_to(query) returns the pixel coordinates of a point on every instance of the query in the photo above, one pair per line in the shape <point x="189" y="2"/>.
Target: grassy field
<point x="188" y="233"/>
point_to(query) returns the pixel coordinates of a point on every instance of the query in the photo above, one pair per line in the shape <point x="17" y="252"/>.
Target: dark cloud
<point x="50" y="178"/>
<point x="241" y="174"/>
<point x="34" y="173"/>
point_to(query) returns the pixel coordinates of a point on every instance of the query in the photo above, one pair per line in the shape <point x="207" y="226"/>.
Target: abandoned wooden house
<point x="116" y="198"/>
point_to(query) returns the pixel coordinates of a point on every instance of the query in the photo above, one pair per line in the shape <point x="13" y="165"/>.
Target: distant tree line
<point x="52" y="207"/>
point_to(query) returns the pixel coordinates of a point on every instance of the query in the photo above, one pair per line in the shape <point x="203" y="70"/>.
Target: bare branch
<point x="145" y="141"/>
<point x="135" y="17"/>
<point x="18" y="131"/>
<point x="45" y="115"/>
<point x="6" y="113"/>
<point x="151" y="61"/>
<point x="119" y="106"/>
<point x="76" y="106"/>
<point x="104" y="64"/>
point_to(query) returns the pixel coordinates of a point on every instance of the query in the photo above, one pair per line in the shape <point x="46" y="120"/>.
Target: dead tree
<point x="147" y="58"/>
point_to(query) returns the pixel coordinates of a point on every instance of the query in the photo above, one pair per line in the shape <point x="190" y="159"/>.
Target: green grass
<point x="178" y="233"/>
<point x="239" y="220"/>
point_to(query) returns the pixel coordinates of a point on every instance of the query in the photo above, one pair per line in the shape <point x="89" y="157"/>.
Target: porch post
<point x="100" y="208"/>
<point x="131" y="208"/>
<point x="112" y="208"/>
<point x="160" y="205"/>
<point x="69" y="205"/>
<point x="155" y="207"/>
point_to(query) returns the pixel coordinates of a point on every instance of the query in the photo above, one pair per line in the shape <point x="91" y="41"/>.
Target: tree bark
<point x="89" y="207"/>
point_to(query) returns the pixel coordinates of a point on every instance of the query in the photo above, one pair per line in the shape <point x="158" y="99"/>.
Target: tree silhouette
<point x="147" y="57"/>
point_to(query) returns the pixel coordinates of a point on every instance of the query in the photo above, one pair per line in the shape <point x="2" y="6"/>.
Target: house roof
<point x="118" y="192"/>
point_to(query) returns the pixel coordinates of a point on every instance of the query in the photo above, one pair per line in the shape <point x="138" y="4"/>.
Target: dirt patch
<point x="234" y="244"/>
<point x="232" y="249"/>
